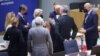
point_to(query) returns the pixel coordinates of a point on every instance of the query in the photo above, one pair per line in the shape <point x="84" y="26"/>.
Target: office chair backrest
<point x="71" y="46"/>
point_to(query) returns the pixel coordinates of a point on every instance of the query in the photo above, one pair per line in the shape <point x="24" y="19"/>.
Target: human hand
<point x="82" y="30"/>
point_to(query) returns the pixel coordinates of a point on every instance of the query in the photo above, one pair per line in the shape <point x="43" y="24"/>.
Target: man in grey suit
<point x="39" y="40"/>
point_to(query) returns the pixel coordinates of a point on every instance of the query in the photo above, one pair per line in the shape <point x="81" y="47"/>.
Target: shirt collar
<point x="20" y="14"/>
<point x="64" y="14"/>
<point x="90" y="11"/>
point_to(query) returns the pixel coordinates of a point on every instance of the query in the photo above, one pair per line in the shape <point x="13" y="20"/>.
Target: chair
<point x="96" y="51"/>
<point x="71" y="46"/>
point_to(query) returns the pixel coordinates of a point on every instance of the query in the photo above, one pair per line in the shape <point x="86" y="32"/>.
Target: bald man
<point x="90" y="25"/>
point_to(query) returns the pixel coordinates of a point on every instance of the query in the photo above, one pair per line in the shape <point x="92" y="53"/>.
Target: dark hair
<point x="22" y="7"/>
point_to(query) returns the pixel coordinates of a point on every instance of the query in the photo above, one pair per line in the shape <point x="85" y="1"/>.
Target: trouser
<point x="90" y="42"/>
<point x="24" y="50"/>
<point x="14" y="53"/>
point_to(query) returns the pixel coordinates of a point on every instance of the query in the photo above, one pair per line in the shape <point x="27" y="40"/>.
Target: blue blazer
<point x="91" y="25"/>
<point x="22" y="23"/>
<point x="53" y="16"/>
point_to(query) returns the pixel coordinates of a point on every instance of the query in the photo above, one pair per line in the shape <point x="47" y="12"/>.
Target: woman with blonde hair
<point x="37" y="13"/>
<point x="14" y="35"/>
<point x="9" y="18"/>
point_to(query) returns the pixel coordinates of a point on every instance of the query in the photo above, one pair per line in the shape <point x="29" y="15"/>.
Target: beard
<point x="85" y="10"/>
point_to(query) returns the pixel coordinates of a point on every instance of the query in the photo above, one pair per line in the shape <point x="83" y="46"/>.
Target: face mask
<point x="85" y="11"/>
<point x="25" y="13"/>
<point x="41" y="16"/>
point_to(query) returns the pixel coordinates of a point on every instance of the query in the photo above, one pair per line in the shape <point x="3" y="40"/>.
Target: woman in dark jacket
<point x="14" y="35"/>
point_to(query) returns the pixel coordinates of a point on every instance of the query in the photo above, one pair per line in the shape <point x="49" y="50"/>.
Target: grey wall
<point x="47" y="5"/>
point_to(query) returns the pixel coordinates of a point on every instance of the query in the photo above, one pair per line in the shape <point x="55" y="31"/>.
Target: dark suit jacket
<point x="16" y="39"/>
<point x="53" y="16"/>
<point x="91" y="25"/>
<point x="21" y="26"/>
<point x="65" y="25"/>
<point x="57" y="42"/>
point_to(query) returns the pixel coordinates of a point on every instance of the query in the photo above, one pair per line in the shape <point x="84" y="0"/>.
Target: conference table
<point x="86" y="53"/>
<point x="77" y="54"/>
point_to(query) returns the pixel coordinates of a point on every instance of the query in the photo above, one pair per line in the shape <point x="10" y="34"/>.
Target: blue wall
<point x="13" y="5"/>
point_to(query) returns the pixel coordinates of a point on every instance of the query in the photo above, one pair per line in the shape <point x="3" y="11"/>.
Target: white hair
<point x="58" y="6"/>
<point x="39" y="21"/>
<point x="37" y="12"/>
<point x="89" y="5"/>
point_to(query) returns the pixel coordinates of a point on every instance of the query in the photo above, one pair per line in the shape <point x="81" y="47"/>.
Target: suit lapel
<point x="87" y="16"/>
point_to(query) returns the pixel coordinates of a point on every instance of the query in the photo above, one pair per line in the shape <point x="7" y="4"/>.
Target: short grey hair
<point x="39" y="21"/>
<point x="65" y="9"/>
<point x="37" y="12"/>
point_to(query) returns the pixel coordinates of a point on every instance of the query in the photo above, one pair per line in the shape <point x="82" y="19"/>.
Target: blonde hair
<point x="9" y="18"/>
<point x="14" y="21"/>
<point x="37" y="12"/>
<point x="47" y="25"/>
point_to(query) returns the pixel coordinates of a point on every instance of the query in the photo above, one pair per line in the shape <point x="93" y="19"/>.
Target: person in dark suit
<point x="14" y="35"/>
<point x="65" y="25"/>
<point x="90" y="26"/>
<point x="53" y="19"/>
<point x="23" y="25"/>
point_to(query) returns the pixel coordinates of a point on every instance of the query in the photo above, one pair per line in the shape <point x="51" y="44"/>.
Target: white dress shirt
<point x="87" y="15"/>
